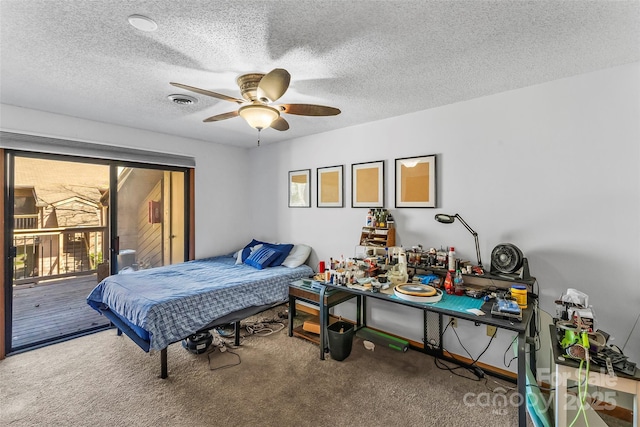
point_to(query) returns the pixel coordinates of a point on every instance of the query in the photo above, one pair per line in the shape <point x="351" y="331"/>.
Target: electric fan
<point x="507" y="259"/>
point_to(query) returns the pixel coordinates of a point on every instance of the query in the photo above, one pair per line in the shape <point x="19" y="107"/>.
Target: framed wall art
<point x="330" y="187"/>
<point x="416" y="182"/>
<point x="300" y="188"/>
<point x="367" y="181"/>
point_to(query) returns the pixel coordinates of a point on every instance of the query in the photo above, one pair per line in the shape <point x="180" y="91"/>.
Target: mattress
<point x="171" y="302"/>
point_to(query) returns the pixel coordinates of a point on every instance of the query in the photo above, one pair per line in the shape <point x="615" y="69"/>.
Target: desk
<point x="566" y="369"/>
<point x="524" y="328"/>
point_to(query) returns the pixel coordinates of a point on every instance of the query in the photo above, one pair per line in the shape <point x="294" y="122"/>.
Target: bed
<point x="164" y="305"/>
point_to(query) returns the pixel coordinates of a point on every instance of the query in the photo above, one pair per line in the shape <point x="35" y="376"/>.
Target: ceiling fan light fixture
<point x="259" y="116"/>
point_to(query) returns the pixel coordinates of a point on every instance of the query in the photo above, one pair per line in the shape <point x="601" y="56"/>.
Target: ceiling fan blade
<point x="208" y="93"/>
<point x="223" y="116"/>
<point x="280" y="124"/>
<point x="273" y="85"/>
<point x="309" y="110"/>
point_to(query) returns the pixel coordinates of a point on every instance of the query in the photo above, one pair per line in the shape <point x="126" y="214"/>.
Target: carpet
<point x="106" y="380"/>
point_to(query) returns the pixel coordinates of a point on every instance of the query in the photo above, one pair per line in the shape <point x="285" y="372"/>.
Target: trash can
<point x="340" y="340"/>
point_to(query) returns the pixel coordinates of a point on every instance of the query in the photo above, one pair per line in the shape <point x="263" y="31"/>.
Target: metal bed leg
<point x="119" y="332"/>
<point x="163" y="363"/>
<point x="237" y="334"/>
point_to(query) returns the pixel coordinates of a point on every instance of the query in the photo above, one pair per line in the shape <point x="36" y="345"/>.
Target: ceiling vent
<point x="182" y="99"/>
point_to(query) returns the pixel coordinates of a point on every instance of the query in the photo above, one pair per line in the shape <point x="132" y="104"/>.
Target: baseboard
<point x="486" y="368"/>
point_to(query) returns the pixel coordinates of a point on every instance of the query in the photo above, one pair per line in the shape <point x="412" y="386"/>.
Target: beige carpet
<point x="106" y="380"/>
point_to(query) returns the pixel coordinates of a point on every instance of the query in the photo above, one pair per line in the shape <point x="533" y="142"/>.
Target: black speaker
<point x="198" y="343"/>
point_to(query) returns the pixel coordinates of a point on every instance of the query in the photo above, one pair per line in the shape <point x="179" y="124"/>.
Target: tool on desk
<point x="417" y="292"/>
<point x="506" y="308"/>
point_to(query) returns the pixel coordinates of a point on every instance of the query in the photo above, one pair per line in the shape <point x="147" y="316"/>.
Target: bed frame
<point x="234" y="318"/>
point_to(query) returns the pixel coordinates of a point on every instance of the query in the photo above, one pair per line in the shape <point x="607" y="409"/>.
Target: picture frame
<point x="300" y="188"/>
<point x="415" y="181"/>
<point x="330" y="187"/>
<point x="367" y="184"/>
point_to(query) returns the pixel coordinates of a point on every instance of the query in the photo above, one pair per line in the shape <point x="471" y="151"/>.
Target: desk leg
<point x="532" y="346"/>
<point x="324" y="321"/>
<point x="358" y="311"/>
<point x="522" y="380"/>
<point x="292" y="313"/>
<point x="562" y="374"/>
<point x="364" y="311"/>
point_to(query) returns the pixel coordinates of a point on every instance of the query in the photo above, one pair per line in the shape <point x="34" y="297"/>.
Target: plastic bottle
<point x="452" y="259"/>
<point x="448" y="285"/>
<point x="458" y="283"/>
<point x="369" y="219"/>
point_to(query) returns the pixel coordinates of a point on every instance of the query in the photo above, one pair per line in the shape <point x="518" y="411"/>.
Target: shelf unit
<point x="378" y="237"/>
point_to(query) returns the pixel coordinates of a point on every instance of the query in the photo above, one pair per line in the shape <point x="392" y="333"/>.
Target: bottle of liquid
<point x="452" y="259"/>
<point x="390" y="221"/>
<point x="458" y="283"/>
<point x="448" y="284"/>
<point x="369" y="219"/>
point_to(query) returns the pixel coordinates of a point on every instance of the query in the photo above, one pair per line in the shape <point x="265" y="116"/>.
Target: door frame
<point x="6" y="219"/>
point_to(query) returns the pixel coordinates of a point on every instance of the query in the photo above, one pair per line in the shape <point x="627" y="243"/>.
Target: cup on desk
<point x="321" y="267"/>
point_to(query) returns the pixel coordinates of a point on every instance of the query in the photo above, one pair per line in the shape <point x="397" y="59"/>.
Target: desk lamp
<point x="448" y="219"/>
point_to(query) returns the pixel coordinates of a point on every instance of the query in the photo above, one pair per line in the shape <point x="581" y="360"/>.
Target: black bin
<point x="340" y="340"/>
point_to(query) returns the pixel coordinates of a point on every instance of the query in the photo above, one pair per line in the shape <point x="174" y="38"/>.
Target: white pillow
<point x="297" y="256"/>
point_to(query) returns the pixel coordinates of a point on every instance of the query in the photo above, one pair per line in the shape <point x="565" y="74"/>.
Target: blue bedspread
<point x="174" y="301"/>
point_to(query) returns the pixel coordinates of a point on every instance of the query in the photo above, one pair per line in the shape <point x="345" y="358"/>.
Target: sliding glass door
<point x="70" y="222"/>
<point x="149" y="220"/>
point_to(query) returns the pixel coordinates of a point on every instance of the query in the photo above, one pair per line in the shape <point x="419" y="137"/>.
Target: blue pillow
<point x="246" y="251"/>
<point x="263" y="257"/>
<point x="284" y="250"/>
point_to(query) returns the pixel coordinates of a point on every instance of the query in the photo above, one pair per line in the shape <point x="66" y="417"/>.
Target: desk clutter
<point x="579" y="338"/>
<point x="394" y="271"/>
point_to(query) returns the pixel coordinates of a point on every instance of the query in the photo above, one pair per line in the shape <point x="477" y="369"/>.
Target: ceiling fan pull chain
<point x="259" y="137"/>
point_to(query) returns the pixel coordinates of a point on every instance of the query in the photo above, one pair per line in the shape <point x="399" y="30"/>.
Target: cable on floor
<point x="222" y="348"/>
<point x="473" y="367"/>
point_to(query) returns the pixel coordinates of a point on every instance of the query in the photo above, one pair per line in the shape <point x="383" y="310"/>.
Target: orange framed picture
<point x="330" y="187"/>
<point x="416" y="182"/>
<point x="367" y="181"/>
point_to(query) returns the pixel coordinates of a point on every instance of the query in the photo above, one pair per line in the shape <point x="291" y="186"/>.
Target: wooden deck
<point x="53" y="310"/>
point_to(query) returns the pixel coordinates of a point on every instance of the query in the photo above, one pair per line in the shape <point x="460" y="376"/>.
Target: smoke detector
<point x="182" y="99"/>
<point x="143" y="23"/>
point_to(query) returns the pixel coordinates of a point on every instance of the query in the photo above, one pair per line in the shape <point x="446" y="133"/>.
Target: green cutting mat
<point x="453" y="302"/>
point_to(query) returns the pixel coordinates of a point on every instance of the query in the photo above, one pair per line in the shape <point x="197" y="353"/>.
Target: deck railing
<point x="25" y="222"/>
<point x="57" y="252"/>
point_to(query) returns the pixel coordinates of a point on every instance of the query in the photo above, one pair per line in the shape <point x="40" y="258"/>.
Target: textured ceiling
<point x="371" y="59"/>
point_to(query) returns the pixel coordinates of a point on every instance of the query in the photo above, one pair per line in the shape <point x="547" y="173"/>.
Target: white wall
<point x="552" y="168"/>
<point x="221" y="171"/>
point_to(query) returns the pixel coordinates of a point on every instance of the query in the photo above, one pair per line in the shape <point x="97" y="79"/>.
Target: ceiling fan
<point x="259" y="92"/>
